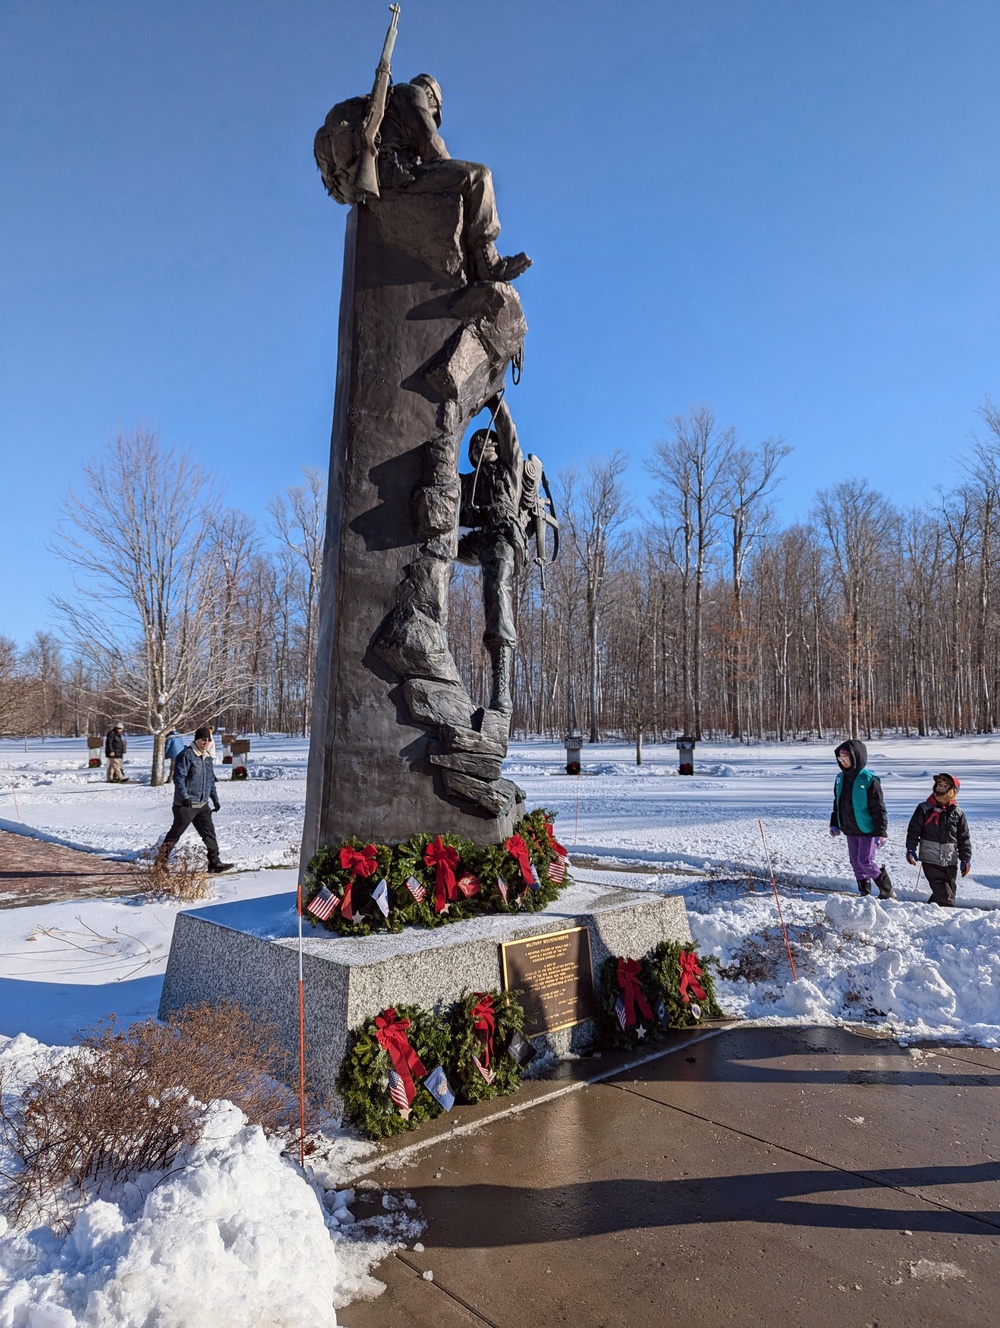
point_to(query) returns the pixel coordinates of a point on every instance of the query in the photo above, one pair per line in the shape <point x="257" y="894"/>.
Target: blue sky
<point x="787" y="209"/>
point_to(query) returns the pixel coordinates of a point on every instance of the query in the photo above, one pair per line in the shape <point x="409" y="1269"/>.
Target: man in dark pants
<point x="194" y="789"/>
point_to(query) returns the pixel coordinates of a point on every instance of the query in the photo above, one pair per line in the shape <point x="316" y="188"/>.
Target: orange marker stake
<point x="774" y="887"/>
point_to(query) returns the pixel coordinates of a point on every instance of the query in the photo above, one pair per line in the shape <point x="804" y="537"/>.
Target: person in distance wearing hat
<point x="194" y="791"/>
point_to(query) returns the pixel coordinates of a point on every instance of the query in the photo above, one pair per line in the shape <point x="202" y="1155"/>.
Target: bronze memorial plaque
<point x="554" y="975"/>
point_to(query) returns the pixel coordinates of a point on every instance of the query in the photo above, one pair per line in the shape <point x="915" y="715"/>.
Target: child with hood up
<point x="938" y="834"/>
<point x="859" y="813"/>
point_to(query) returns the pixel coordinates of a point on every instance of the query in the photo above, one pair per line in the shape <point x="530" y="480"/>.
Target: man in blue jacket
<point x="194" y="791"/>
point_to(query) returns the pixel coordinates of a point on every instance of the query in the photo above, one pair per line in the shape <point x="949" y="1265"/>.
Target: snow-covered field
<point x="223" y="1214"/>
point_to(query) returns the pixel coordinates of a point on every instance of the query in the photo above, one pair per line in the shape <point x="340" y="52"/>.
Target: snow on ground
<point x="220" y="1222"/>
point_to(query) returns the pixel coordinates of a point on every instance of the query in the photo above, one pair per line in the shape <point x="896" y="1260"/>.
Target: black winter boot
<point x="884" y="883"/>
<point x="864" y="887"/>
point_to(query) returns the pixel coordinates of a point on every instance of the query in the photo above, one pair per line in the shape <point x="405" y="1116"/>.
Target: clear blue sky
<point x="787" y="209"/>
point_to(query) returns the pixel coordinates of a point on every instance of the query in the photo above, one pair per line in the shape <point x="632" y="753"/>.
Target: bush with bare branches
<point x="182" y="876"/>
<point x="126" y="1101"/>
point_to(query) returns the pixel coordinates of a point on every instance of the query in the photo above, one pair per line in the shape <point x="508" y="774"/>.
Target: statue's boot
<point x="503" y="660"/>
<point x="490" y="266"/>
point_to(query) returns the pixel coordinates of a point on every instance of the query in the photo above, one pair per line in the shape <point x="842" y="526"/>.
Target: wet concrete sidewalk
<point x="33" y="871"/>
<point x="757" y="1177"/>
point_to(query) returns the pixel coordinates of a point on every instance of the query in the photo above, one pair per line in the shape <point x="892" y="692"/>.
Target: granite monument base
<point x="247" y="952"/>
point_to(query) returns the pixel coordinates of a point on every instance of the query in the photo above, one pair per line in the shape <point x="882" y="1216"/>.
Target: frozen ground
<point x="918" y="971"/>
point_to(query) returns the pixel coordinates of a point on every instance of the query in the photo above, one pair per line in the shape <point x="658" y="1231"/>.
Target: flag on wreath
<point x="397" y="1092"/>
<point x="322" y="904"/>
<point x="416" y="889"/>
<point x="488" y="1075"/>
<point x="380" y="896"/>
<point x="557" y="870"/>
<point x="620" y="1014"/>
<point x="437" y="1085"/>
<point x="502" y="887"/>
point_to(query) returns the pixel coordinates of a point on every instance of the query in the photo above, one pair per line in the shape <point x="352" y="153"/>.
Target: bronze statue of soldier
<point x="495" y="539"/>
<point x="412" y="156"/>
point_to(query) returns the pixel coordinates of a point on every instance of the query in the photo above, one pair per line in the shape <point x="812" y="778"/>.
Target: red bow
<point x="359" y="862"/>
<point x="690" y="973"/>
<point x="444" y="859"/>
<point x="390" y="1033"/>
<point x="553" y="842"/>
<point x="484" y="1022"/>
<point x="628" y="981"/>
<point x="518" y="850"/>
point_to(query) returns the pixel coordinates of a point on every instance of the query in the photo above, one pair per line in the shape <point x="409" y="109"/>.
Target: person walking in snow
<point x="938" y="835"/>
<point x="172" y="748"/>
<point x="194" y="789"/>
<point x="115" y="747"/>
<point x="859" y="813"/>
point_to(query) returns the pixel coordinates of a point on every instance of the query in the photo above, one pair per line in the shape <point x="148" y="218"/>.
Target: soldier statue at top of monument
<point x="412" y="156"/>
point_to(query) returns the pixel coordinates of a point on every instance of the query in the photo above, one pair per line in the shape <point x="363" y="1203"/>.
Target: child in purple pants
<point x="859" y="813"/>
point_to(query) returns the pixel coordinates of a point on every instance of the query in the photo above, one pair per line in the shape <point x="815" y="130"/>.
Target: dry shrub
<point x="183" y="876"/>
<point x="128" y="1099"/>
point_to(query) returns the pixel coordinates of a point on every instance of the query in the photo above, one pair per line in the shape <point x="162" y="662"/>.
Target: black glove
<point x="911" y="857"/>
<point x="215" y="804"/>
<point x="185" y="802"/>
<point x="966" y="868"/>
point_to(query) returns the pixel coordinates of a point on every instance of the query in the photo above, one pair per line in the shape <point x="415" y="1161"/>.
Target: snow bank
<point x="914" y="969"/>
<point x="233" y="1236"/>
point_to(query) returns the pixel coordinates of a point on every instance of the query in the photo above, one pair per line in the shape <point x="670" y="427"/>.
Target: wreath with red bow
<point x="432" y="880"/>
<point x="482" y="1025"/>
<point x="406" y="1041"/>
<point x="642" y="1000"/>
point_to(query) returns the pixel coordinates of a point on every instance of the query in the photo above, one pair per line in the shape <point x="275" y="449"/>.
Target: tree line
<point x="697" y="613"/>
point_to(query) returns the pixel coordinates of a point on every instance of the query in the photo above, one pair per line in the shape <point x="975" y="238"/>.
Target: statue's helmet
<point x="479" y="442"/>
<point x="433" y="89"/>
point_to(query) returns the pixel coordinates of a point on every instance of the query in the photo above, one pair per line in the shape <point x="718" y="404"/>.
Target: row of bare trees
<point x="704" y="616"/>
<point x="695" y="612"/>
<point x="182" y="611"/>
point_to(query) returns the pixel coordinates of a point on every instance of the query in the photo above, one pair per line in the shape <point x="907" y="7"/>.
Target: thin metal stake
<point x="774" y="887"/>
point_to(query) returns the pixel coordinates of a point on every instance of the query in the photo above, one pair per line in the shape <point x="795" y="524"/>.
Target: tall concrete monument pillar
<point x="429" y="324"/>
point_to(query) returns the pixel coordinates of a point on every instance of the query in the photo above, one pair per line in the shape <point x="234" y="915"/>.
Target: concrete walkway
<point x="33" y="871"/>
<point x="755" y="1178"/>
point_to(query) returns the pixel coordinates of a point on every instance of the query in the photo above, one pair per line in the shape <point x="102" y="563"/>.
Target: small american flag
<point x="488" y="1075"/>
<point x="557" y="870"/>
<point x="416" y="889"/>
<point x="322" y="904"/>
<point x="620" y="1012"/>
<point x="502" y="887"/>
<point x="536" y="880"/>
<point x="398" y="1094"/>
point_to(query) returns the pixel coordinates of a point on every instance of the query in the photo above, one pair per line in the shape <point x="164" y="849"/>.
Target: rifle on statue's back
<point x="366" y="177"/>
<point x="539" y="512"/>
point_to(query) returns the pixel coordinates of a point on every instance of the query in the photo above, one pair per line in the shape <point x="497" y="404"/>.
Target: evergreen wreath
<point x="662" y="975"/>
<point x="467" y="1081"/>
<point x="612" y="1032"/>
<point x="363" y="1081"/>
<point x="412" y="880"/>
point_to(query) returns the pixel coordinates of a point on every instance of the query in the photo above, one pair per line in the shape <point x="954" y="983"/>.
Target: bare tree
<point x="144" y="610"/>
<point x="591" y="524"/>
<point x="13" y="689"/>
<point x="748" y="480"/>
<point x="692" y="467"/>
<point x="298" y="519"/>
